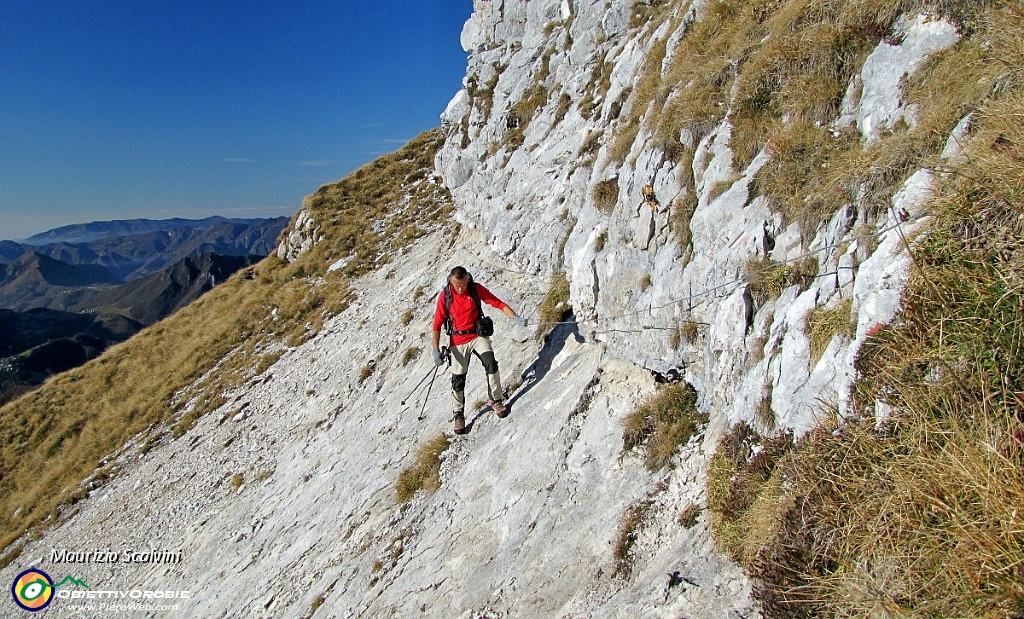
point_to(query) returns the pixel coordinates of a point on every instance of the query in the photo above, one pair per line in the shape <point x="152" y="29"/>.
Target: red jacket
<point x="463" y="311"/>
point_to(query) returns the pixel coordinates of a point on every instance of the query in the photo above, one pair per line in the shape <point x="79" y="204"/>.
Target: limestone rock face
<point x="633" y="281"/>
<point x="301" y="235"/>
<point x="878" y="106"/>
<point x="282" y="502"/>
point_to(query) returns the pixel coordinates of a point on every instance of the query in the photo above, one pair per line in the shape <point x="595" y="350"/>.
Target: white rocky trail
<point x="522" y="525"/>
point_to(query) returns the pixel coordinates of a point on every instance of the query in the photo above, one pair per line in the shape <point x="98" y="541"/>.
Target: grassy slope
<point x="159" y="382"/>
<point x="919" y="517"/>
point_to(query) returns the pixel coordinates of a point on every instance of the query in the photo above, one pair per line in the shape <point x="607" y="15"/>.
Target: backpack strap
<point x="476" y="298"/>
<point x="449" y="327"/>
<point x="447" y="292"/>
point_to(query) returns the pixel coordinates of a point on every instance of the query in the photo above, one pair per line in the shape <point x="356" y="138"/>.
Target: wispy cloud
<point x="236" y="160"/>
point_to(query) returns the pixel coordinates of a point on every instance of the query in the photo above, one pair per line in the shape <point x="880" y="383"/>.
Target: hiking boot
<point x="499" y="407"/>
<point x="460" y="422"/>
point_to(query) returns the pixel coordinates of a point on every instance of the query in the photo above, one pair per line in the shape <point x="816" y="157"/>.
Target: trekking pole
<point x="417" y="387"/>
<point x="427" y="397"/>
<point x="444" y="354"/>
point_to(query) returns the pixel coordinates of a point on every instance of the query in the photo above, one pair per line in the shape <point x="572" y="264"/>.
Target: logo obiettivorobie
<point x="32" y="590"/>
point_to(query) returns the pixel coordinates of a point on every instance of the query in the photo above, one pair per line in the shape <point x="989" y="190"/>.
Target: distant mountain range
<point x="139" y="252"/>
<point x="83" y="233"/>
<point x="38" y="281"/>
<point x="69" y="293"/>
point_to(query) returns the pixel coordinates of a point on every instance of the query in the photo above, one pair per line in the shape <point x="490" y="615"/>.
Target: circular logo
<point x="32" y="590"/>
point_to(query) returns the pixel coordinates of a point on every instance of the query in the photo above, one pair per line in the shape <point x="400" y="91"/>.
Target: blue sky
<point x="144" y="108"/>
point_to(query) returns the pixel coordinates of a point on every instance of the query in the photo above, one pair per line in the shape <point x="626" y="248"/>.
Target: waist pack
<point x="484" y="326"/>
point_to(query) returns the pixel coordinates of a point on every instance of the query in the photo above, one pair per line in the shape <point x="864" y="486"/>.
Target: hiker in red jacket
<point x="459" y="311"/>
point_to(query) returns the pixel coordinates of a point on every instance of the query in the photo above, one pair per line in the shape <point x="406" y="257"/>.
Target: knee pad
<point x="490" y="363"/>
<point x="458" y="382"/>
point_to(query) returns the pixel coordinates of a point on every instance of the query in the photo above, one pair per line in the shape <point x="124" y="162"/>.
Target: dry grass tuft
<point x="744" y="490"/>
<point x="425" y="472"/>
<point x="629" y="531"/>
<point x="683" y="331"/>
<point x="606" y="194"/>
<point x="410" y="354"/>
<point x="769" y="279"/>
<point x="815" y="155"/>
<point x="689" y="517"/>
<point x="764" y="414"/>
<point x="597" y="87"/>
<point x="681" y="210"/>
<point x="555" y="307"/>
<point x="781" y="69"/>
<point x="823" y="324"/>
<point x="664" y="423"/>
<point x="564" y="103"/>
<point x="623" y="138"/>
<point x="522" y="113"/>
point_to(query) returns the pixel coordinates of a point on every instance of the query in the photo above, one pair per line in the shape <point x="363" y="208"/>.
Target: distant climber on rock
<point x="649" y="199"/>
<point x="460" y="313"/>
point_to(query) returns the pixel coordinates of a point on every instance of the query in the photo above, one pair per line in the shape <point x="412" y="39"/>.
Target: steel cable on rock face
<point x="736" y="283"/>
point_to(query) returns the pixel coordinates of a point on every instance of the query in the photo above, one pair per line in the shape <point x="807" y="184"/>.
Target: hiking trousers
<point x="460" y="355"/>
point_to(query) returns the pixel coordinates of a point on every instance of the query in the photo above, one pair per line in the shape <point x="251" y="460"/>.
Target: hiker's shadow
<point x="553" y="344"/>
